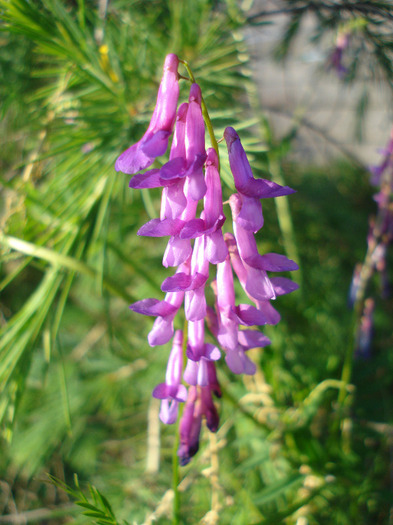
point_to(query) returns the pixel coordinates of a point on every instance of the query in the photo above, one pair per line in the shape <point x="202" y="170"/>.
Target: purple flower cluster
<point x="197" y="242"/>
<point x="380" y="236"/>
<point x="335" y="60"/>
<point x="381" y="227"/>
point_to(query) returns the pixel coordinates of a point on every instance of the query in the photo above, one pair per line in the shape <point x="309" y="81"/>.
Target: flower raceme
<point x="190" y="181"/>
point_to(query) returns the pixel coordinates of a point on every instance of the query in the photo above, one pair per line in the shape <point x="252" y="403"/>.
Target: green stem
<point x="205" y="113"/>
<point x="348" y="362"/>
<point x="175" y="481"/>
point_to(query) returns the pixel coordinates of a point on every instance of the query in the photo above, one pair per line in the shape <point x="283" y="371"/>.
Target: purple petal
<point x="173" y="201"/>
<point x="252" y="339"/>
<point x="155" y="141"/>
<point x="175" y="283"/>
<point x="158" y="228"/>
<point x="190" y="374"/>
<point x="250" y="217"/>
<point x="274" y="262"/>
<point x="209" y="410"/>
<point x="175" y="365"/>
<point x="225" y="288"/>
<point x="193" y="228"/>
<point x="240" y="167"/>
<point x="212" y="353"/>
<point x="153" y="307"/>
<point x="198" y="280"/>
<point x="242" y="173"/>
<point x="234" y="361"/>
<point x="249" y="367"/>
<point x="173" y="169"/>
<point x="195" y="304"/>
<point x="156" y="144"/>
<point x="181" y="394"/>
<point x="263" y="189"/>
<point x="177" y="251"/>
<point x="162" y="331"/>
<point x="197" y="185"/>
<point x="203" y="376"/>
<point x="195" y="129"/>
<point x="133" y="160"/>
<point x="258" y="286"/>
<point x="213" y="199"/>
<point x="227" y="332"/>
<point x="164" y="115"/>
<point x="270" y="313"/>
<point x="196" y="339"/>
<point x="160" y="391"/>
<point x="249" y="315"/>
<point x="216" y="248"/>
<point x="169" y="411"/>
<point x="150" y="179"/>
<point x="282" y="285"/>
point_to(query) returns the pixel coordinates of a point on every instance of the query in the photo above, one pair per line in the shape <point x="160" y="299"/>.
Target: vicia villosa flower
<point x="379" y="239"/>
<point x="192" y="217"/>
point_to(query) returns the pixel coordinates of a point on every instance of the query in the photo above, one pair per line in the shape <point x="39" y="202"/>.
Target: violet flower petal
<point x="177" y="282"/>
<point x="155" y="141"/>
<point x="189" y="428"/>
<point x="248" y="315"/>
<point x="254" y="281"/>
<point x="209" y="410"/>
<point x="173" y="201"/>
<point x="195" y="304"/>
<point x="161" y="228"/>
<point x="274" y="262"/>
<point x="242" y="173"/>
<point x="216" y="249"/>
<point x="239" y="363"/>
<point x="177" y="252"/>
<point x="173" y="169"/>
<point x="150" y="179"/>
<point x="195" y="144"/>
<point x="169" y="411"/>
<point x="271" y="315"/>
<point x="156" y="144"/>
<point x="282" y="285"/>
<point x="153" y="307"/>
<point x="162" y="331"/>
<point x="252" y="339"/>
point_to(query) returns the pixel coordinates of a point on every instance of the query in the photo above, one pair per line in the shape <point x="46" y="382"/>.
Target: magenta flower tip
<point x="182" y="112"/>
<point x="171" y="62"/>
<point x="195" y="94"/>
<point x="230" y="136"/>
<point x="212" y="158"/>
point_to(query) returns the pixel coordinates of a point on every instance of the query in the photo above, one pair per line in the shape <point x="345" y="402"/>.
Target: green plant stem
<point x="347" y="366"/>
<point x="175" y="480"/>
<point x="205" y="114"/>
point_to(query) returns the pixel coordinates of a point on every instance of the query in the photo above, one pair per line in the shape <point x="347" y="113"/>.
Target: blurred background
<point x="308" y="440"/>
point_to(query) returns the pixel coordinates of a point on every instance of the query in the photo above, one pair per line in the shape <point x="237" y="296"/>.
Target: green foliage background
<point x="78" y="84"/>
